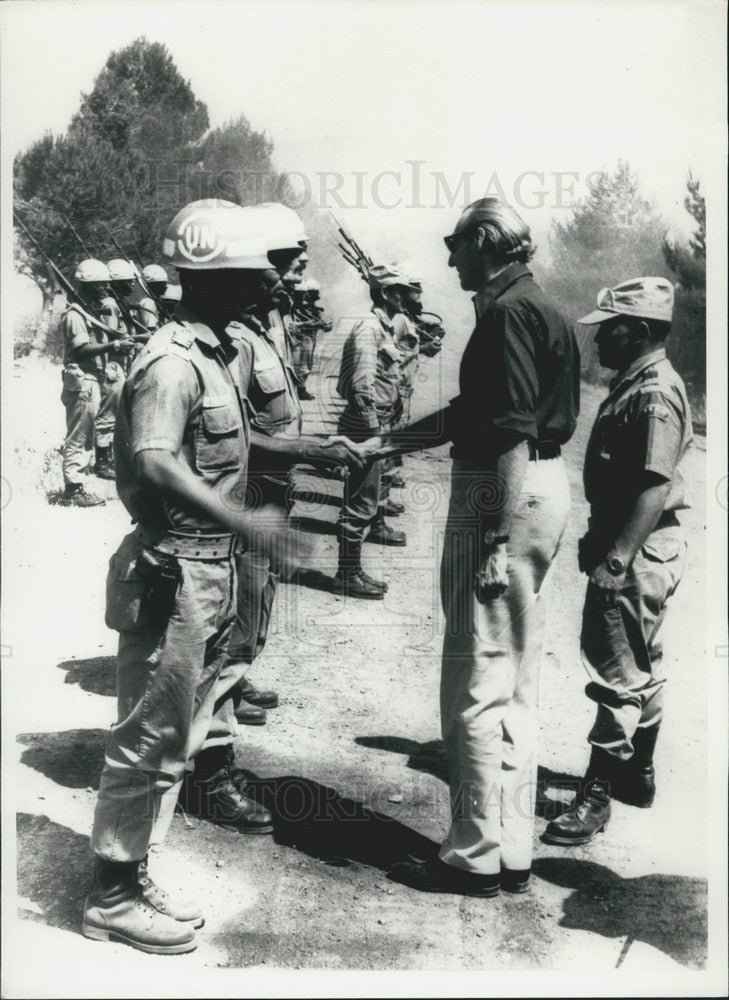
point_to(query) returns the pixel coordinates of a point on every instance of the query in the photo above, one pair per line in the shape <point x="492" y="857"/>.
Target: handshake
<point x="360" y="454"/>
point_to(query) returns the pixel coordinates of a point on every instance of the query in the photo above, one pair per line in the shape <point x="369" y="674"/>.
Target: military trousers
<point x="363" y="490"/>
<point x="111" y="388"/>
<point x="622" y="646"/>
<point x="80" y="397"/>
<point x="166" y="682"/>
<point x="257" y="583"/>
<point x="302" y="356"/>
<point x="491" y="662"/>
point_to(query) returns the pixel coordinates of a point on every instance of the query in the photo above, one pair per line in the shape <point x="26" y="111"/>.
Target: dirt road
<point x="352" y="755"/>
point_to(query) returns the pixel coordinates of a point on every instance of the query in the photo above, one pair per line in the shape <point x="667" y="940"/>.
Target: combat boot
<point x="250" y="715"/>
<point x="217" y="793"/>
<point x="351" y="580"/>
<point x="104" y="466"/>
<point x="396" y="481"/>
<point x="255" y="696"/>
<point x="394" y="509"/>
<point x="76" y="495"/>
<point x="381" y="533"/>
<point x="590" y="812"/>
<point x="637" y="783"/>
<point x="185" y="911"/>
<point x="303" y="393"/>
<point x="116" y="910"/>
<point x="353" y="583"/>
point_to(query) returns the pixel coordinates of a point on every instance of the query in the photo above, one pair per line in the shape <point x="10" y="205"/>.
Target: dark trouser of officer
<point x="256" y="591"/>
<point x="361" y="516"/>
<point x="622" y="652"/>
<point x="80" y="397"/>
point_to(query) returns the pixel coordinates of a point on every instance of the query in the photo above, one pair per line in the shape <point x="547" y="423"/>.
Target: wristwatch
<point x="615" y="563"/>
<point x="491" y="538"/>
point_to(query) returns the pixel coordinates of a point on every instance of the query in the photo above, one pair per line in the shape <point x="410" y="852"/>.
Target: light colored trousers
<point x="166" y="693"/>
<point x="80" y="397"/>
<point x="491" y="660"/>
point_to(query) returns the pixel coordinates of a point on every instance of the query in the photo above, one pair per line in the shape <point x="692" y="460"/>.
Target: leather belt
<point x="543" y="451"/>
<point x="187" y="544"/>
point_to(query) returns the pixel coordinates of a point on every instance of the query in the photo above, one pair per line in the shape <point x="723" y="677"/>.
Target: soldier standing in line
<point x="86" y="357"/>
<point x="307" y="321"/>
<point x="369" y="381"/>
<point x="155" y="278"/>
<point x="121" y="274"/>
<point x="276" y="445"/>
<point x="182" y="448"/>
<point x="634" y="550"/>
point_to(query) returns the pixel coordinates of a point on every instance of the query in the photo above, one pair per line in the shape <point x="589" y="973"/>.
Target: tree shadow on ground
<point x="668" y="912"/>
<point x="73" y="759"/>
<point x="317" y="820"/>
<point x="97" y="675"/>
<point x="54" y="871"/>
<point x="429" y="758"/>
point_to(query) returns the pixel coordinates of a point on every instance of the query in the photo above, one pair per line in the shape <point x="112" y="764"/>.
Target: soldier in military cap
<point x="369" y="382"/>
<point x="91" y="340"/>
<point x="634" y="550"/>
<point x="181" y="445"/>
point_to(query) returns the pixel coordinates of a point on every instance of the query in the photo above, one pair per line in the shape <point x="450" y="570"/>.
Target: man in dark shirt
<point x="519" y="398"/>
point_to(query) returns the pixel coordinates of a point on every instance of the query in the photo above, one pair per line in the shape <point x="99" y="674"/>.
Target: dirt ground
<point x="352" y="757"/>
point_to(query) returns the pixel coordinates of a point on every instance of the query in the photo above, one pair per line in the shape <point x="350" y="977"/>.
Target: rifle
<point x="163" y="311"/>
<point x="71" y="292"/>
<point x="353" y="252"/>
<point x="123" y="307"/>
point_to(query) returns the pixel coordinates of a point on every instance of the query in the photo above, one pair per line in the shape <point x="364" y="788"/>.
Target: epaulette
<point x="182" y="337"/>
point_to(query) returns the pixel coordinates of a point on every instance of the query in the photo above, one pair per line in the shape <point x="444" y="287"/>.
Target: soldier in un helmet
<point x="121" y="281"/>
<point x="91" y="343"/>
<point x="277" y="444"/>
<point x="181" y="444"/>
<point x="156" y="280"/>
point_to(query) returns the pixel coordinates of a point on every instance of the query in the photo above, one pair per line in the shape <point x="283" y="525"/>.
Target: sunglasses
<point x="451" y="242"/>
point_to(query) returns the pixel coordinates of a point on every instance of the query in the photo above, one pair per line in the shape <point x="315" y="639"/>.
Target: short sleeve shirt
<point x="78" y="330"/>
<point x="643" y="426"/>
<point x="520" y="372"/>
<point x="182" y="396"/>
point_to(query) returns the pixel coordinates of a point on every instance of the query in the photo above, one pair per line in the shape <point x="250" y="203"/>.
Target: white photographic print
<point x="363" y="498"/>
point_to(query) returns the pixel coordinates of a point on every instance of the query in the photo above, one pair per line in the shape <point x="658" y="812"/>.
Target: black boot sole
<point x="250" y="722"/>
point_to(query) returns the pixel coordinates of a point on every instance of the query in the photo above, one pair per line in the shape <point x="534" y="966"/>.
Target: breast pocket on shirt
<point x="219" y="438"/>
<point x="270" y="378"/>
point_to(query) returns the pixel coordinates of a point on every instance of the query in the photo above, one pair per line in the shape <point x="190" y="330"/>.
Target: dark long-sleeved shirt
<point x="520" y="372"/>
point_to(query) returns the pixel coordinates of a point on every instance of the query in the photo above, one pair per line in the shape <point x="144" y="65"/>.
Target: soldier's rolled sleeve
<point x="661" y="435"/>
<point x="75" y="331"/>
<point x="162" y="400"/>
<point x="515" y="380"/>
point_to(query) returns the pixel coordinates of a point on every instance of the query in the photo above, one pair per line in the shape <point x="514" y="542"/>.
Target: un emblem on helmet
<point x="198" y="241"/>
